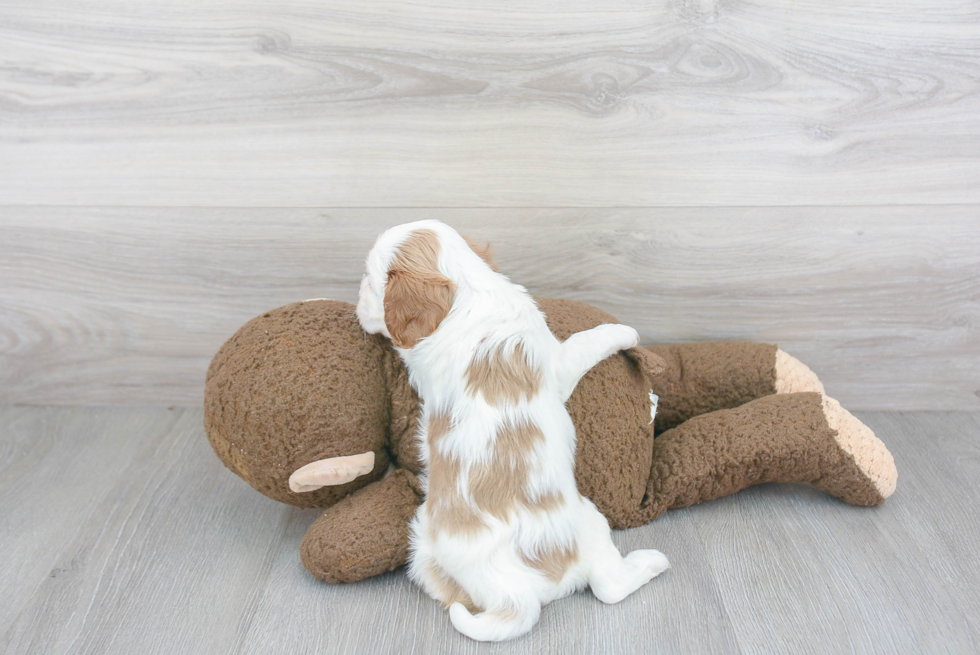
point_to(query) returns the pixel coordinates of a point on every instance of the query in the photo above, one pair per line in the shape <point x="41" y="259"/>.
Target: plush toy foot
<point x="873" y="463"/>
<point x="866" y="474"/>
<point x="793" y="376"/>
<point x="789" y="437"/>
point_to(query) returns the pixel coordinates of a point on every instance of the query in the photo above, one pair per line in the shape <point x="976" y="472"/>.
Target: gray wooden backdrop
<point x="805" y="173"/>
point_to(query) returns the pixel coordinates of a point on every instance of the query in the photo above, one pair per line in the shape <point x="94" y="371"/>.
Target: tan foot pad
<point x="793" y="376"/>
<point x="868" y="452"/>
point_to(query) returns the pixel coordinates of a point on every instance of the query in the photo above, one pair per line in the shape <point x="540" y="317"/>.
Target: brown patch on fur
<point x="552" y="561"/>
<point x="496" y="487"/>
<point x="501" y="378"/>
<point x="485" y="252"/>
<point x="500" y="485"/>
<point x="549" y="501"/>
<point x="448" y="510"/>
<point x="439" y="425"/>
<point x="515" y="441"/>
<point x="417" y="296"/>
<point x="448" y="589"/>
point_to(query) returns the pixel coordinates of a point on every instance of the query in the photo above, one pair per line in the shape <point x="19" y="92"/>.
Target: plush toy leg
<point x="800" y="437"/>
<point x="705" y="377"/>
<point x="366" y="533"/>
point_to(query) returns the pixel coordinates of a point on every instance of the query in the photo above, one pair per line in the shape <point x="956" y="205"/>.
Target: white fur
<point x="489" y="310"/>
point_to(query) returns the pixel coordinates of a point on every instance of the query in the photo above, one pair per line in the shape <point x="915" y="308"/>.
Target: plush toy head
<point x="305" y="370"/>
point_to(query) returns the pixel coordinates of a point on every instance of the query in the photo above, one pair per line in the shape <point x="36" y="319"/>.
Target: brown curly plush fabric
<point x="364" y="534"/>
<point x="405" y="412"/>
<point x="705" y="377"/>
<point x="771" y="439"/>
<point x="782" y="438"/>
<point x="295" y="385"/>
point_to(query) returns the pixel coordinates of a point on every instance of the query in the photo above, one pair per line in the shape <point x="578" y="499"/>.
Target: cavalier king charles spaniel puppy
<point x="503" y="529"/>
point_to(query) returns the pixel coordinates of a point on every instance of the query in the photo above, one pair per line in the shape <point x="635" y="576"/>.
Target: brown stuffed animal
<point x="303" y="389"/>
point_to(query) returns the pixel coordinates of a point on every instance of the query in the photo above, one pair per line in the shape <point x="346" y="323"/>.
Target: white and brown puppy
<point x="503" y="529"/>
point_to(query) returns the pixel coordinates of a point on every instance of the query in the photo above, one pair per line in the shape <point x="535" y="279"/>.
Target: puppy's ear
<point x="485" y="252"/>
<point x="415" y="305"/>
<point x="417" y="296"/>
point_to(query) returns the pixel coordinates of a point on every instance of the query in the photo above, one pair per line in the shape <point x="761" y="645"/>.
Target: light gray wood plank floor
<point x="120" y="532"/>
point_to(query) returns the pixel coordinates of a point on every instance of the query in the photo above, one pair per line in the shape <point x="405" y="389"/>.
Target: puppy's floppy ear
<point x="485" y="252"/>
<point x="415" y="305"/>
<point x="417" y="296"/>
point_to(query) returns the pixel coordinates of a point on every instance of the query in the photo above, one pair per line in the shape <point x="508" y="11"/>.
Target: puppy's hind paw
<point x="618" y="577"/>
<point x="648" y="564"/>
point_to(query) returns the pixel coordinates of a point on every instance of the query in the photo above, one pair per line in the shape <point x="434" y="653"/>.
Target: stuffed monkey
<point x="302" y="392"/>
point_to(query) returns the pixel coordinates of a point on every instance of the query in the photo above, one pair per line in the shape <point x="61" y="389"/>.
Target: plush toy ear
<point x="331" y="471"/>
<point x="416" y="302"/>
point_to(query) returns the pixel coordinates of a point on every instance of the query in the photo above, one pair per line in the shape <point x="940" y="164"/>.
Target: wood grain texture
<point x="128" y="305"/>
<point x="948" y="457"/>
<point x="161" y="550"/>
<point x="141" y="570"/>
<point x="817" y="576"/>
<point x="388" y="614"/>
<point x="56" y="467"/>
<point x="418" y="103"/>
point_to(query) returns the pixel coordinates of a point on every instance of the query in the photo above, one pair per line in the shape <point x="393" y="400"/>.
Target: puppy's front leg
<point x="583" y="350"/>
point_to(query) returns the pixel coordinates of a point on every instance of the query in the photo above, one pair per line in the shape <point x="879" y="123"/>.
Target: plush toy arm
<point x="583" y="350"/>
<point x="366" y="533"/>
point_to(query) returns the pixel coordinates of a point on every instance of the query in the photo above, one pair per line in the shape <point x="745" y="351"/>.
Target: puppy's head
<point x="406" y="292"/>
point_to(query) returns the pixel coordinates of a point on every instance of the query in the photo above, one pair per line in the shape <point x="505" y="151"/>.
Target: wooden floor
<point x="121" y="532"/>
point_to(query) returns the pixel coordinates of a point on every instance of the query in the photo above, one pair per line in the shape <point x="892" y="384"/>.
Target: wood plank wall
<point x="806" y="173"/>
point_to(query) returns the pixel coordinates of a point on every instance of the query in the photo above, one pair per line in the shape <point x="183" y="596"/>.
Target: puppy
<point x="503" y="529"/>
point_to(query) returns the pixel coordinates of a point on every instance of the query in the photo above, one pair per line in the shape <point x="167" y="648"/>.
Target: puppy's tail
<point x="495" y="625"/>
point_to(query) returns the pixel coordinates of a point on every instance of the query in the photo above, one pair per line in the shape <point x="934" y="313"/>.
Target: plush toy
<point x="303" y="388"/>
